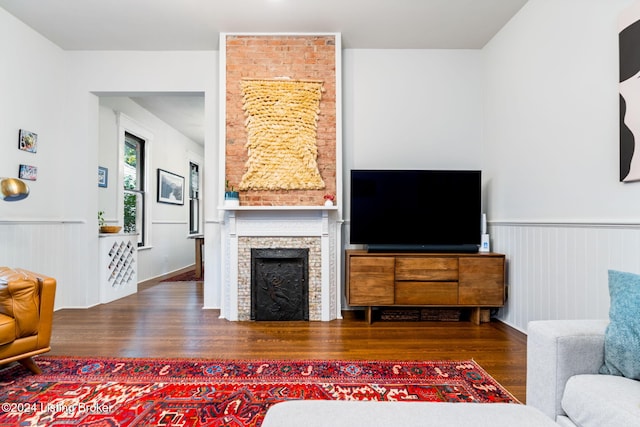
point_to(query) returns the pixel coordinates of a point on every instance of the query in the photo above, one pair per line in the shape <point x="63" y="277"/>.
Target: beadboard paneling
<point x="50" y="248"/>
<point x="559" y="270"/>
<point x="54" y="248"/>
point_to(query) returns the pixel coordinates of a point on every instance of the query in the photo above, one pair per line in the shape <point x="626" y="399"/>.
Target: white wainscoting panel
<point x="559" y="270"/>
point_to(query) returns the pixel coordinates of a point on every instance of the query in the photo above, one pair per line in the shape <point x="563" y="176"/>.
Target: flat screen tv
<point x="416" y="210"/>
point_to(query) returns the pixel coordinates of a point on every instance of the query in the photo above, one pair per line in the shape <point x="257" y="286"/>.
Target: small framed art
<point x="28" y="172"/>
<point x="103" y="177"/>
<point x="28" y="141"/>
<point x="170" y="188"/>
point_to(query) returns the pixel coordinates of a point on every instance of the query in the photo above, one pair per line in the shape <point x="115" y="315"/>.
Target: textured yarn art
<point x="282" y="120"/>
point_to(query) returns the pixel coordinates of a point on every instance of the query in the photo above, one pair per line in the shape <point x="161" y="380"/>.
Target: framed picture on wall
<point x="28" y="172"/>
<point x="170" y="188"/>
<point x="28" y="141"/>
<point x="629" y="67"/>
<point x="103" y="177"/>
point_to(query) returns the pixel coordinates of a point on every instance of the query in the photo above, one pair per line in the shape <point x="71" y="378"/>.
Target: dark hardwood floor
<point x="166" y="320"/>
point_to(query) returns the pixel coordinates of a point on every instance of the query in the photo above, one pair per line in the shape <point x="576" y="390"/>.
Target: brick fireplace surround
<point x="282" y="218"/>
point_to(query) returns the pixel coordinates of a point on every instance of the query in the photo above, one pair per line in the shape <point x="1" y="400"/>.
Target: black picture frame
<point x="170" y="188"/>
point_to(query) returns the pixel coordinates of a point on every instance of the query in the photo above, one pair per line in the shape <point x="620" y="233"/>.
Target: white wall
<point x="32" y="87"/>
<point x="555" y="203"/>
<point x="551" y="115"/>
<point x="412" y="108"/>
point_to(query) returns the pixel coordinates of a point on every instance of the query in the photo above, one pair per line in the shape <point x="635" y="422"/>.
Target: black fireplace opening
<point x="280" y="284"/>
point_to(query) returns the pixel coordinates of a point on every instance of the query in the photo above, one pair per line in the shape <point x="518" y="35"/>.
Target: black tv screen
<point x="416" y="210"/>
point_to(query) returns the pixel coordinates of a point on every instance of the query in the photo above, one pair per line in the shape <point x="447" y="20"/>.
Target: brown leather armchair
<point x="26" y="315"/>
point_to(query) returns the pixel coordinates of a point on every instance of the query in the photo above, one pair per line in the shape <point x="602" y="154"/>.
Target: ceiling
<point x="196" y="25"/>
<point x="184" y="112"/>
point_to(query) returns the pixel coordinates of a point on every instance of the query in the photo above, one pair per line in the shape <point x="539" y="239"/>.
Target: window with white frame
<point x="134" y="186"/>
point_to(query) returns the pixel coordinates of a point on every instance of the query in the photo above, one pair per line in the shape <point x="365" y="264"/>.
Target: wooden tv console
<point x="469" y="280"/>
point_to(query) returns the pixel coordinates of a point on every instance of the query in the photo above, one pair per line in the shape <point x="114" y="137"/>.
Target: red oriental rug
<point x="190" y="392"/>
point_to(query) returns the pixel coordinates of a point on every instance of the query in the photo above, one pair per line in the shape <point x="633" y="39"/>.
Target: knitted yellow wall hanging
<point x="282" y="119"/>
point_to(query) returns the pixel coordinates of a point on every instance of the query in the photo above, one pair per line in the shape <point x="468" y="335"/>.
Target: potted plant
<point x="101" y="222"/>
<point x="106" y="228"/>
<point x="231" y="196"/>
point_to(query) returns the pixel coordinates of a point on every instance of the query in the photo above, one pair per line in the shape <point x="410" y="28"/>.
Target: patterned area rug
<point x="187" y="276"/>
<point x="190" y="392"/>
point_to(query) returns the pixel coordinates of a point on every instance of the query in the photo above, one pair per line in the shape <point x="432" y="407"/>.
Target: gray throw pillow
<point x="622" y="337"/>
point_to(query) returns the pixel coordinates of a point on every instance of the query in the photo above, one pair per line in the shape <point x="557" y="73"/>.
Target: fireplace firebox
<point x="279" y="284"/>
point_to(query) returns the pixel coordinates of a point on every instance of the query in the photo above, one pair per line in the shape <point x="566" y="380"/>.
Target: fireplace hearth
<point x="280" y="284"/>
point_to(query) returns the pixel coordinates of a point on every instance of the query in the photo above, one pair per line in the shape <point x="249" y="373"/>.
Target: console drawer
<point x="425" y="268"/>
<point x="370" y="280"/>
<point x="482" y="281"/>
<point x="425" y="293"/>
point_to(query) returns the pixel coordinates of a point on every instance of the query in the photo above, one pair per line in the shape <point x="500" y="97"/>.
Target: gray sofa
<point x="337" y="413"/>
<point x="563" y="359"/>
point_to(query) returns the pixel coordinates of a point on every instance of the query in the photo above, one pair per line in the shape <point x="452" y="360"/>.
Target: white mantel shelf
<point x="278" y="208"/>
